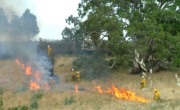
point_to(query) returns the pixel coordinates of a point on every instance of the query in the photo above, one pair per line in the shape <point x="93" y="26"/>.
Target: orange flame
<point x="122" y="94"/>
<point x="76" y="88"/>
<point x="98" y="88"/>
<point x="17" y="61"/>
<point x="28" y="70"/>
<point x="34" y="86"/>
<point x="20" y="64"/>
<point x="46" y="85"/>
<point x="36" y="76"/>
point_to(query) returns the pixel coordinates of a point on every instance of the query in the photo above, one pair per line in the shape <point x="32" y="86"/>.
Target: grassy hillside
<point x="62" y="95"/>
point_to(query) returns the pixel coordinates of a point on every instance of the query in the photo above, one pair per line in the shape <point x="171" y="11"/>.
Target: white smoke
<point x="12" y="7"/>
<point x="22" y="47"/>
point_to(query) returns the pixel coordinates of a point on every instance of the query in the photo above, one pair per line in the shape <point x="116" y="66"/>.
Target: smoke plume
<point x="16" y="34"/>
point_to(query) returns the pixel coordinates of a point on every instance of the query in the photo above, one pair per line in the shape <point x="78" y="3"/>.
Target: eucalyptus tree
<point x="152" y="27"/>
<point x="3" y="22"/>
<point x="29" y="24"/>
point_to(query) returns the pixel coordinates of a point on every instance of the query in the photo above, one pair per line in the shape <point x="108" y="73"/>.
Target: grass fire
<point x="113" y="55"/>
<point x="35" y="76"/>
<point x="122" y="94"/>
<point x="67" y="94"/>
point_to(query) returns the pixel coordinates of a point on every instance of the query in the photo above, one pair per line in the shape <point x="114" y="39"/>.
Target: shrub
<point x="91" y="66"/>
<point x="69" y="100"/>
<point x="34" y="104"/>
<point x="34" y="100"/>
<point x="24" y="108"/>
<point x="1" y="91"/>
<point x="1" y="104"/>
<point x="37" y="96"/>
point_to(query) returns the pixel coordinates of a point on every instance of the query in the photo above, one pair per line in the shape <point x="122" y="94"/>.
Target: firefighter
<point x="143" y="82"/>
<point x="52" y="81"/>
<point x="51" y="71"/>
<point x="156" y="94"/>
<point x="73" y="76"/>
<point x="49" y="50"/>
<point x="78" y="76"/>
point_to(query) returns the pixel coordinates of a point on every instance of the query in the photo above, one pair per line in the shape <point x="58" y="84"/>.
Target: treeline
<point x="18" y="26"/>
<point x="151" y="27"/>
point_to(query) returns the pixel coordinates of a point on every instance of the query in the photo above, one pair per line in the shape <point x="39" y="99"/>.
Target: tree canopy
<point x="151" y="27"/>
<point x="16" y="26"/>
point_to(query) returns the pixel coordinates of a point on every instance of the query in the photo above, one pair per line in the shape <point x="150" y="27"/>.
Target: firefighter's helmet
<point x="142" y="77"/>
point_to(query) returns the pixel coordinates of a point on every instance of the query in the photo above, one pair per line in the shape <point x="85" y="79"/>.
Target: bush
<point x="18" y="108"/>
<point x="34" y="104"/>
<point x="13" y="108"/>
<point x="23" y="108"/>
<point x="1" y="103"/>
<point x="69" y="100"/>
<point x="34" y="100"/>
<point x="37" y="96"/>
<point x="1" y="91"/>
<point x="91" y="66"/>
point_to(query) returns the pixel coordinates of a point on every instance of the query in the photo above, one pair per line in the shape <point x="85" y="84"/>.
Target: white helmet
<point x="142" y="77"/>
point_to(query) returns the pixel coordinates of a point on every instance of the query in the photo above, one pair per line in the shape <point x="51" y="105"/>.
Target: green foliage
<point x="24" y="108"/>
<point x="63" y="47"/>
<point x="34" y="105"/>
<point x="13" y="108"/>
<point x="1" y="104"/>
<point x="143" y="20"/>
<point x="37" y="96"/>
<point x="1" y="98"/>
<point x="29" y="22"/>
<point x="18" y="108"/>
<point x="91" y="66"/>
<point x="1" y="91"/>
<point x="69" y="100"/>
<point x="3" y="22"/>
<point x="18" y="26"/>
<point x="34" y="100"/>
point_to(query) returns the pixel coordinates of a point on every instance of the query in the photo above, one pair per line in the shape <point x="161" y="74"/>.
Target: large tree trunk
<point x="138" y="65"/>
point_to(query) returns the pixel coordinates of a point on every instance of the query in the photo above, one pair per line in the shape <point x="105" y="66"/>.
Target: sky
<point x="50" y="14"/>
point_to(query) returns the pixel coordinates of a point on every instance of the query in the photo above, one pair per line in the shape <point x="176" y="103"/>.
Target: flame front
<point x="98" y="88"/>
<point x="76" y="88"/>
<point x="122" y="94"/>
<point x="34" y="85"/>
<point x="46" y="86"/>
<point x="28" y="70"/>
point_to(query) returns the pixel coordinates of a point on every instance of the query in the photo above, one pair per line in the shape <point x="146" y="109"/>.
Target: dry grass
<point x="12" y="76"/>
<point x="63" y="64"/>
<point x="87" y="98"/>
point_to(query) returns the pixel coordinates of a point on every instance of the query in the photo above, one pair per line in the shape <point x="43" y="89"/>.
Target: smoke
<point x="12" y="7"/>
<point x="16" y="43"/>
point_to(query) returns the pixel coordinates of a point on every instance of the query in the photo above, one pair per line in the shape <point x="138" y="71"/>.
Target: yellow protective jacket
<point x="143" y="83"/>
<point x="49" y="51"/>
<point x="78" y="76"/>
<point x="156" y="95"/>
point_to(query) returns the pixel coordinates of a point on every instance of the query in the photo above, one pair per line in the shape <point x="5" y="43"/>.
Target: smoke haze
<point x="16" y="43"/>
